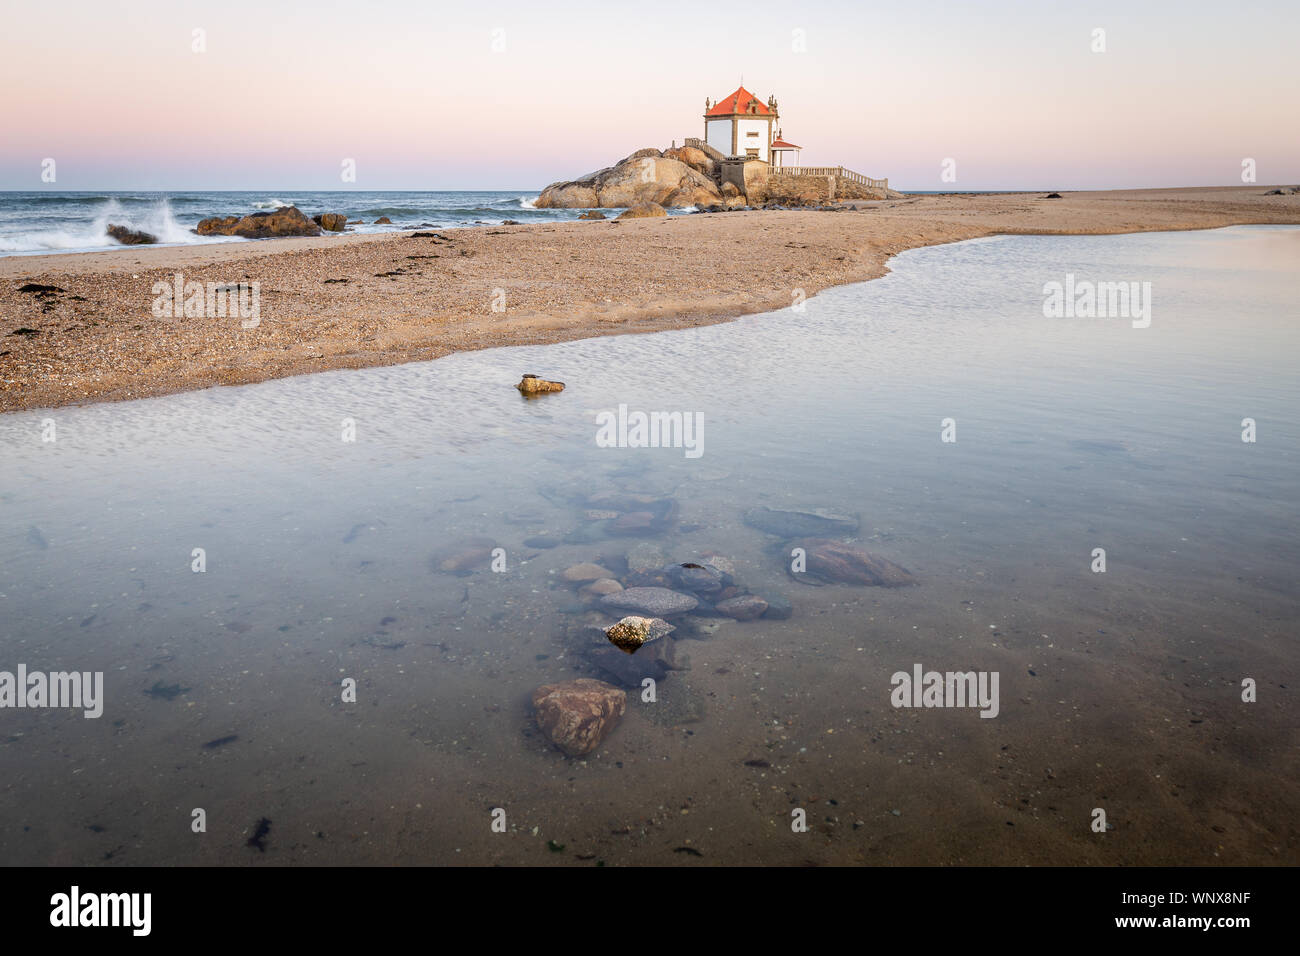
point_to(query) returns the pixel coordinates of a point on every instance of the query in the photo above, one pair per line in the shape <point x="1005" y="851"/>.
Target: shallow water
<point x="1119" y="690"/>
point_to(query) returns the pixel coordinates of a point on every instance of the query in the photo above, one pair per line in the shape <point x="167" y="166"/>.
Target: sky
<point x="505" y="95"/>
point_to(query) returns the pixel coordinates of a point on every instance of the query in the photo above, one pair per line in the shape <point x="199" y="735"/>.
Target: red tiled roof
<point x="782" y="144"/>
<point x="738" y="102"/>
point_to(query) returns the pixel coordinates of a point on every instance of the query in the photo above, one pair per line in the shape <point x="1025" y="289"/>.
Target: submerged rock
<point x="598" y="589"/>
<point x="576" y="715"/>
<point x="746" y="607"/>
<point x="464" y="558"/>
<point x="645" y="557"/>
<point x="651" y="602"/>
<point x="791" y="524"/>
<point x="779" y="608"/>
<point x="695" y="578"/>
<point x="834" y="562"/>
<point x="584" y="573"/>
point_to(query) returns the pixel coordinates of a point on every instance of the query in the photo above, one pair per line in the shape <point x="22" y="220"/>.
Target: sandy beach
<point x="357" y="301"/>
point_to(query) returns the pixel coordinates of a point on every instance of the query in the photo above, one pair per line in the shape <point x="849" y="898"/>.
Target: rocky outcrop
<point x="576" y="715"/>
<point x="330" y="221"/>
<point x="131" y="237"/>
<point x="383" y="221"/>
<point x="288" y="221"/>
<point x="697" y="159"/>
<point x="644" y="177"/>
<point x="644" y="210"/>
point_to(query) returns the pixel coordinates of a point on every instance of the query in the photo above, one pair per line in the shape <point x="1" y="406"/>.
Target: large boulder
<point x="637" y="179"/>
<point x="576" y="715"/>
<point x="330" y="221"/>
<point x="288" y="221"/>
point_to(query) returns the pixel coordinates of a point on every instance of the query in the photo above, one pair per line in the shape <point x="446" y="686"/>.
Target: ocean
<point x="45" y="222"/>
<point x="230" y="559"/>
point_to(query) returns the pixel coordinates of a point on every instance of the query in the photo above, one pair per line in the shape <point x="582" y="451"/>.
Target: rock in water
<point x="695" y="578"/>
<point x="383" y="221"/>
<point x="330" y="221"/>
<point x="288" y="221"/>
<point x="592" y="214"/>
<point x="131" y="237"/>
<point x="576" y="715"/>
<point x="532" y="385"/>
<point x="630" y="633"/>
<point x="834" y="562"/>
<point x="585" y="573"/>
<point x="656" y="661"/>
<point x="644" y="557"/>
<point x="792" y="524"/>
<point x="746" y="607"/>
<point x="465" y="557"/>
<point x="651" y="602"/>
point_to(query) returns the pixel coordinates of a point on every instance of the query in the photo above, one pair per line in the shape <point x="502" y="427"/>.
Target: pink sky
<point x="416" y="94"/>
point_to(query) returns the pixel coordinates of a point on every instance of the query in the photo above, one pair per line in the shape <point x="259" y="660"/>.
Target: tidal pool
<point x="372" y="560"/>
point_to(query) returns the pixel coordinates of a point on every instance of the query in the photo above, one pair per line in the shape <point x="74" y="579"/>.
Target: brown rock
<point x="288" y="221"/>
<point x="746" y="607"/>
<point x="131" y="237"/>
<point x="592" y="214"/>
<point x="644" y="177"/>
<point x="598" y="589"/>
<point x="835" y="562"/>
<point x="383" y="221"/>
<point x="581" y="573"/>
<point x="532" y="385"/>
<point x="644" y="210"/>
<point x="576" y="715"/>
<point x="330" y="221"/>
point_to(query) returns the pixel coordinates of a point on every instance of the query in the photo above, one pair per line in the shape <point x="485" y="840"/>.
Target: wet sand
<point x="409" y="299"/>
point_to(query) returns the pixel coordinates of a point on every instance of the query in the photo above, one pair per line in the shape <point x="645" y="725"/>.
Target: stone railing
<point x="837" y="171"/>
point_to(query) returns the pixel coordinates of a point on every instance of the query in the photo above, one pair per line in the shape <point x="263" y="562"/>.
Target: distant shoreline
<point x="355" y="301"/>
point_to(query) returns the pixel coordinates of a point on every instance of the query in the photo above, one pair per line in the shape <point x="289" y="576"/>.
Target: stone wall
<point x="801" y="188"/>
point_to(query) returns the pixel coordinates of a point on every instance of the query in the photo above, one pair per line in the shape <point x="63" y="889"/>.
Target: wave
<point x="156" y="219"/>
<point x="271" y="204"/>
